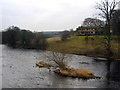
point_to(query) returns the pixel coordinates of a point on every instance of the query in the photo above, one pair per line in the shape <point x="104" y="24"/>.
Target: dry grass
<point x="43" y="64"/>
<point x="78" y="45"/>
<point x="84" y="72"/>
<point x="80" y="73"/>
<point x="53" y="39"/>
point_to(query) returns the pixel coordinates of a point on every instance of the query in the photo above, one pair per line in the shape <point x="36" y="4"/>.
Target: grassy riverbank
<point x="94" y="46"/>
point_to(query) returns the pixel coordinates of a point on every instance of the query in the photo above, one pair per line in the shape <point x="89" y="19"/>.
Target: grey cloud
<point x="64" y="15"/>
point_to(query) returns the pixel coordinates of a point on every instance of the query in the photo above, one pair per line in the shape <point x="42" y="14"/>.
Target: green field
<point x="93" y="46"/>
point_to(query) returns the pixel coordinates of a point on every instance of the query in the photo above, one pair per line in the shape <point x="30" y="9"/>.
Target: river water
<point x="19" y="71"/>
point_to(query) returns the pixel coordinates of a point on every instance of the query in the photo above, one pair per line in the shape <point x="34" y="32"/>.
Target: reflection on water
<point x="113" y="73"/>
<point x="19" y="71"/>
<point x="0" y="67"/>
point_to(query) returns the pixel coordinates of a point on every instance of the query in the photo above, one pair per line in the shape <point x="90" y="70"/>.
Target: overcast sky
<point x="44" y="15"/>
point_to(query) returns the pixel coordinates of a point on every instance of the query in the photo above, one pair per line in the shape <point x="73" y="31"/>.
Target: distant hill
<point x="51" y="32"/>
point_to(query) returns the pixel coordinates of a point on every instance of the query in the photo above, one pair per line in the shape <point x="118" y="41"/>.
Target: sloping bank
<point x="94" y="46"/>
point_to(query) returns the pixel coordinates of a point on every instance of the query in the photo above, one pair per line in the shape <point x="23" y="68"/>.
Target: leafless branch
<point x="59" y="58"/>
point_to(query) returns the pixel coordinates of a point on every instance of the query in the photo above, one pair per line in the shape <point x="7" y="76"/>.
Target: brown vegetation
<point x="70" y="72"/>
<point x="43" y="64"/>
<point x="77" y="73"/>
<point x="78" y="45"/>
<point x="60" y="59"/>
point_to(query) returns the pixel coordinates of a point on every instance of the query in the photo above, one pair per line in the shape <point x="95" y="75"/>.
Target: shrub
<point x="65" y="35"/>
<point x="58" y="58"/>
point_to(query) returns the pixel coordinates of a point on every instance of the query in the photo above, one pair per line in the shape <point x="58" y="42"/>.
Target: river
<point x="19" y="71"/>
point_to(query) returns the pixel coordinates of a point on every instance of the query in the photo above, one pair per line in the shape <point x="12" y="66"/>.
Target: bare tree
<point x="93" y="22"/>
<point x="107" y="8"/>
<point x="58" y="58"/>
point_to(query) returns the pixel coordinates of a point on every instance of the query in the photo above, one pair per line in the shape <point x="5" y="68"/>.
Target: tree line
<point x="21" y="38"/>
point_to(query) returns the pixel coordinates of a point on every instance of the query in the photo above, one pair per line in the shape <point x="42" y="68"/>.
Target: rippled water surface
<point x="19" y="71"/>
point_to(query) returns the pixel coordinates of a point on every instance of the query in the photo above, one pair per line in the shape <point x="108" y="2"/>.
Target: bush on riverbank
<point x="21" y="38"/>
